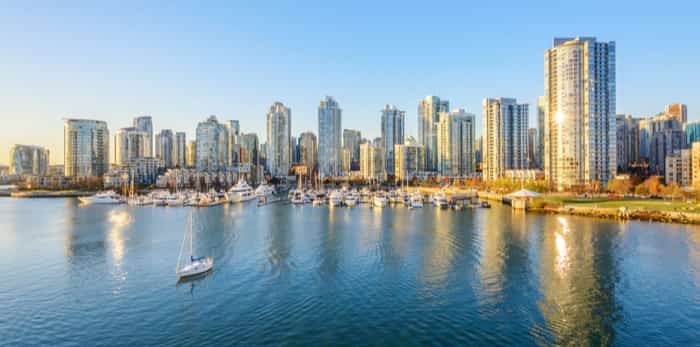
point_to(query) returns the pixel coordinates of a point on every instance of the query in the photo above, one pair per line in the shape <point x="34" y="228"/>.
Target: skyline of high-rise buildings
<point x="578" y="138"/>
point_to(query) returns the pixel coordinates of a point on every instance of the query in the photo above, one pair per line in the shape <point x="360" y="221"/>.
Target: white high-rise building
<point x="212" y="146"/>
<point x="129" y="143"/>
<point x="279" y="139"/>
<point x="29" y="160"/>
<point x="428" y="117"/>
<point x="456" y="143"/>
<point x="393" y="121"/>
<point x="330" y="159"/>
<point x="409" y="160"/>
<point x="85" y="147"/>
<point x="371" y="162"/>
<point x="145" y="125"/>
<point x="505" y="125"/>
<point x="579" y="75"/>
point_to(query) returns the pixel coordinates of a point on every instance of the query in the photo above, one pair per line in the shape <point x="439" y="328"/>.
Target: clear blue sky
<point x="181" y="61"/>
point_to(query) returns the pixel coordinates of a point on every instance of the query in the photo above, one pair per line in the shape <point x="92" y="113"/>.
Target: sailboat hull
<point x="196" y="268"/>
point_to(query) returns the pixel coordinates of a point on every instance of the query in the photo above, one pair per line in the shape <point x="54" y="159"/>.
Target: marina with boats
<point x="265" y="193"/>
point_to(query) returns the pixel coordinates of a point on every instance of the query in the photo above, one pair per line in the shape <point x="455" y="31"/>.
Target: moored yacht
<point x="140" y="200"/>
<point x="264" y="190"/>
<point x="176" y="199"/>
<point x="394" y="197"/>
<point x="240" y="192"/>
<point x="440" y="199"/>
<point x="209" y="199"/>
<point x="351" y="199"/>
<point x="416" y="200"/>
<point x="336" y="198"/>
<point x="299" y="198"/>
<point x="380" y="199"/>
<point x="102" y="198"/>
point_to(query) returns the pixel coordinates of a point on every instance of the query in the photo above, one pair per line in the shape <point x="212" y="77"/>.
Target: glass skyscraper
<point x="145" y="125"/>
<point x="85" y="147"/>
<point x="330" y="158"/>
<point x="428" y="117"/>
<point x="505" y="125"/>
<point x="393" y="121"/>
<point x="456" y="143"/>
<point x="279" y="139"/>
<point x="212" y="146"/>
<point x="579" y="75"/>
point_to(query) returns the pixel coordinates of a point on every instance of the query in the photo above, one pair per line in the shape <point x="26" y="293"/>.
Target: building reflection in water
<point x="503" y="258"/>
<point x="578" y="274"/>
<point x="279" y="239"/>
<point x="85" y="228"/>
<point x="440" y="248"/>
<point x="331" y="238"/>
<point x="694" y="250"/>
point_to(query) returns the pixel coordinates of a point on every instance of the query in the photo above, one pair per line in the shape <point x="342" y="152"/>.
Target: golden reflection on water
<point x="577" y="295"/>
<point x="118" y="220"/>
<point x="562" y="260"/>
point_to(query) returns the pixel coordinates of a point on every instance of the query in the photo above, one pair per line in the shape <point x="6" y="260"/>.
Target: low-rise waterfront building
<point x="525" y="174"/>
<point x="29" y="160"/>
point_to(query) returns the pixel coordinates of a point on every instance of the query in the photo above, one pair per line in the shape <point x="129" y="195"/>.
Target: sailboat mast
<point x="182" y="246"/>
<point x="191" y="235"/>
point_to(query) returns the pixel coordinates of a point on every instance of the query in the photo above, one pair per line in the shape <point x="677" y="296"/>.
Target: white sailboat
<point x="196" y="265"/>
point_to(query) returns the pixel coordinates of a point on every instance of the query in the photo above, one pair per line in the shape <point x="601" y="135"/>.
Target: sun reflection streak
<point x="562" y="262"/>
<point x="119" y="220"/>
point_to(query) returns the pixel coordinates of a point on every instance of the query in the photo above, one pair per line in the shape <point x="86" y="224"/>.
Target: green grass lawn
<point x="650" y="204"/>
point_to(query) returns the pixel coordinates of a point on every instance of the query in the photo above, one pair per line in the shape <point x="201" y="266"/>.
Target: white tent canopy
<point x="524" y="193"/>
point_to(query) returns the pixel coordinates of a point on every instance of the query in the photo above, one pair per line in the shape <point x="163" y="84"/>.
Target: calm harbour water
<point x="104" y="275"/>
